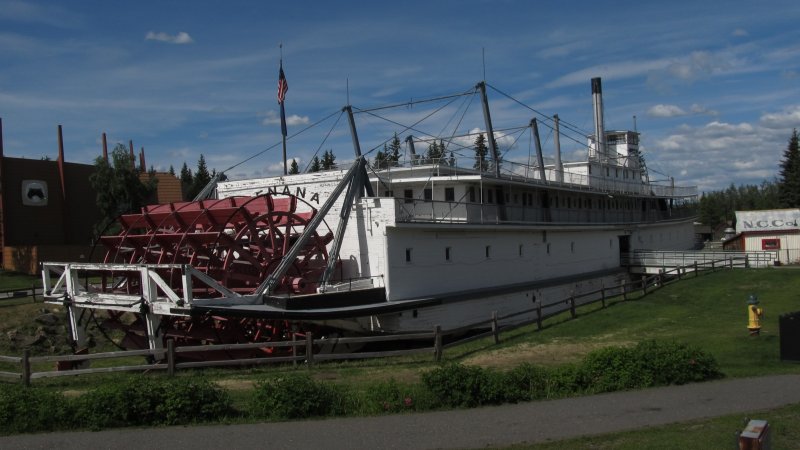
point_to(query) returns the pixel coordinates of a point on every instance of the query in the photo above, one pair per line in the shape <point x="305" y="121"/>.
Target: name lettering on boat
<point x="298" y="192"/>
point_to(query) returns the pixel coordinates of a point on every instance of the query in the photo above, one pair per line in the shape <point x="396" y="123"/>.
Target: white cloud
<point x="740" y="32"/>
<point x="788" y="118"/>
<point x="273" y="118"/>
<point x="700" y="109"/>
<point x="180" y="38"/>
<point x="665" y="111"/>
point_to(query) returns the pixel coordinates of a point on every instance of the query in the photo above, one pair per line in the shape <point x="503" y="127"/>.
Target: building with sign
<point x="776" y="230"/>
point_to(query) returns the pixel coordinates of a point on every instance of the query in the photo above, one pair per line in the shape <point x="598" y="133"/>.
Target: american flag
<point x="283" y="86"/>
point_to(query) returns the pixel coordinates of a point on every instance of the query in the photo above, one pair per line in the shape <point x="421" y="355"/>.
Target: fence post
<point x="644" y="284"/>
<point x="624" y="291"/>
<point x="437" y="343"/>
<point x="294" y="349"/>
<point x="695" y="270"/>
<point x="660" y="278"/>
<point x="495" y="332"/>
<point x="712" y="265"/>
<point x="730" y="262"/>
<point x="310" y="348"/>
<point x="603" y="295"/>
<point x="539" y="315"/>
<point x="572" y="306"/>
<point x="171" y="357"/>
<point x="33" y="293"/>
<point x="26" y="367"/>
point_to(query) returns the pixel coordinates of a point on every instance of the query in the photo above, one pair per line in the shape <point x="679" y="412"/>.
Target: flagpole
<point x="281" y="82"/>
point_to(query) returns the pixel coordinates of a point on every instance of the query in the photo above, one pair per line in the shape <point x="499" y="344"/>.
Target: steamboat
<point x="391" y="245"/>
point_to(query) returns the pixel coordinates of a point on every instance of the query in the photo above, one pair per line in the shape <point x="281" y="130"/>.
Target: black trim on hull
<point x="370" y="302"/>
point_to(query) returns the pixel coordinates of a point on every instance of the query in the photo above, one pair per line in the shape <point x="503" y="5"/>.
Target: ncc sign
<point x="768" y="220"/>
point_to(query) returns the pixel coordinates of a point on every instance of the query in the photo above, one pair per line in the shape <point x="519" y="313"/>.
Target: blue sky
<point x="715" y="86"/>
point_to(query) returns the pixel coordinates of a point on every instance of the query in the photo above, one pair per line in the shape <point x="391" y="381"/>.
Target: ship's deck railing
<point x="514" y="171"/>
<point x="670" y="259"/>
<point x="414" y="210"/>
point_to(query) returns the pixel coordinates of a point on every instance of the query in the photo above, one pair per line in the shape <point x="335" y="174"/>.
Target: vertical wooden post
<point x="310" y="348"/>
<point x="712" y="265"/>
<point x="26" y="367"/>
<point x="539" y="315"/>
<point x="603" y="295"/>
<point x="730" y="262"/>
<point x="746" y="261"/>
<point x="696" y="274"/>
<point x="294" y="349"/>
<point x="437" y="343"/>
<point x="572" y="306"/>
<point x="171" y="357"/>
<point x="495" y="333"/>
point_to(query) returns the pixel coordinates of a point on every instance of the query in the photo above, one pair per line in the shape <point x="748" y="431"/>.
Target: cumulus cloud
<point x="740" y="32"/>
<point x="788" y="118"/>
<point x="180" y="38"/>
<point x="273" y="118"/>
<point x="665" y="111"/>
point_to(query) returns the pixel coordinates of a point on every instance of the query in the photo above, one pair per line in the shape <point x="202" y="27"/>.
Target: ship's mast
<point x="489" y="130"/>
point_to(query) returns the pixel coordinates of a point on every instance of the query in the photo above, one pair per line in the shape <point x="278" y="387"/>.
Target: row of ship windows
<point x="448" y="251"/>
<point x="527" y="199"/>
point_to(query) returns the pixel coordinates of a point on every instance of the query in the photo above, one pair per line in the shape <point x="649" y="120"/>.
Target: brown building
<point x="48" y="211"/>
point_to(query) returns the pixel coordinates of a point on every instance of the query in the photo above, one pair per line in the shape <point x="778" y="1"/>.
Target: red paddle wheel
<point x="236" y="241"/>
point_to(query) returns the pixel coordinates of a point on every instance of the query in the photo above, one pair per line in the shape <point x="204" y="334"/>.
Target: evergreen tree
<point x="118" y="186"/>
<point x="186" y="181"/>
<point x="452" y="160"/>
<point x="393" y="152"/>
<point x="789" y="182"/>
<point x="293" y="168"/>
<point x="171" y="170"/>
<point x="436" y="152"/>
<point x="381" y="158"/>
<point x="315" y="164"/>
<point x="328" y="160"/>
<point x="200" y="179"/>
<point x="481" y="150"/>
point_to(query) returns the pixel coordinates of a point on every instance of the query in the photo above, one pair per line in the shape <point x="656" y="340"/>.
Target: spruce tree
<point x="481" y="150"/>
<point x="200" y="179"/>
<point x="328" y="160"/>
<point x="315" y="164"/>
<point x="393" y="152"/>
<point x="186" y="181"/>
<point x="789" y="182"/>
<point x="293" y="168"/>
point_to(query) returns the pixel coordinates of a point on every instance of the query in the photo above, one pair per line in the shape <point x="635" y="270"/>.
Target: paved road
<point x="482" y="427"/>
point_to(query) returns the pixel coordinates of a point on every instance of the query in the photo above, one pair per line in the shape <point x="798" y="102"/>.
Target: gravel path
<point x="474" y="428"/>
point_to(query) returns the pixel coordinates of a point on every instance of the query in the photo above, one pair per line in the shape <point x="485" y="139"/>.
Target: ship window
<point x="520" y="250"/>
<point x="516" y="198"/>
<point x="408" y="194"/>
<point x="389" y="194"/>
<point x="548" y="248"/>
<point x="449" y="194"/>
<point x="490" y="193"/>
<point x="569" y="202"/>
<point x="472" y="193"/>
<point x="572" y="246"/>
<point x="447" y="253"/>
<point x="408" y="255"/>
<point x="507" y="195"/>
<point x="607" y="172"/>
<point x="590" y="170"/>
<point x="544" y="236"/>
<point x="616" y="173"/>
<point x="428" y="194"/>
<point x="530" y="199"/>
<point x="770" y="244"/>
<point x="488" y="251"/>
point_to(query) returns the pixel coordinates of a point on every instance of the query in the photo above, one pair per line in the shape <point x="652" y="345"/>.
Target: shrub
<point x="649" y="363"/>
<point x="142" y="401"/>
<point x="457" y="385"/>
<point x="391" y="397"/>
<point x="31" y="409"/>
<point x="295" y="396"/>
<point x="526" y="382"/>
<point x="674" y="363"/>
<point x="563" y="381"/>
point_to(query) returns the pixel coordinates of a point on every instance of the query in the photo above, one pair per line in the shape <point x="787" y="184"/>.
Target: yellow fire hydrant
<point x="754" y="314"/>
